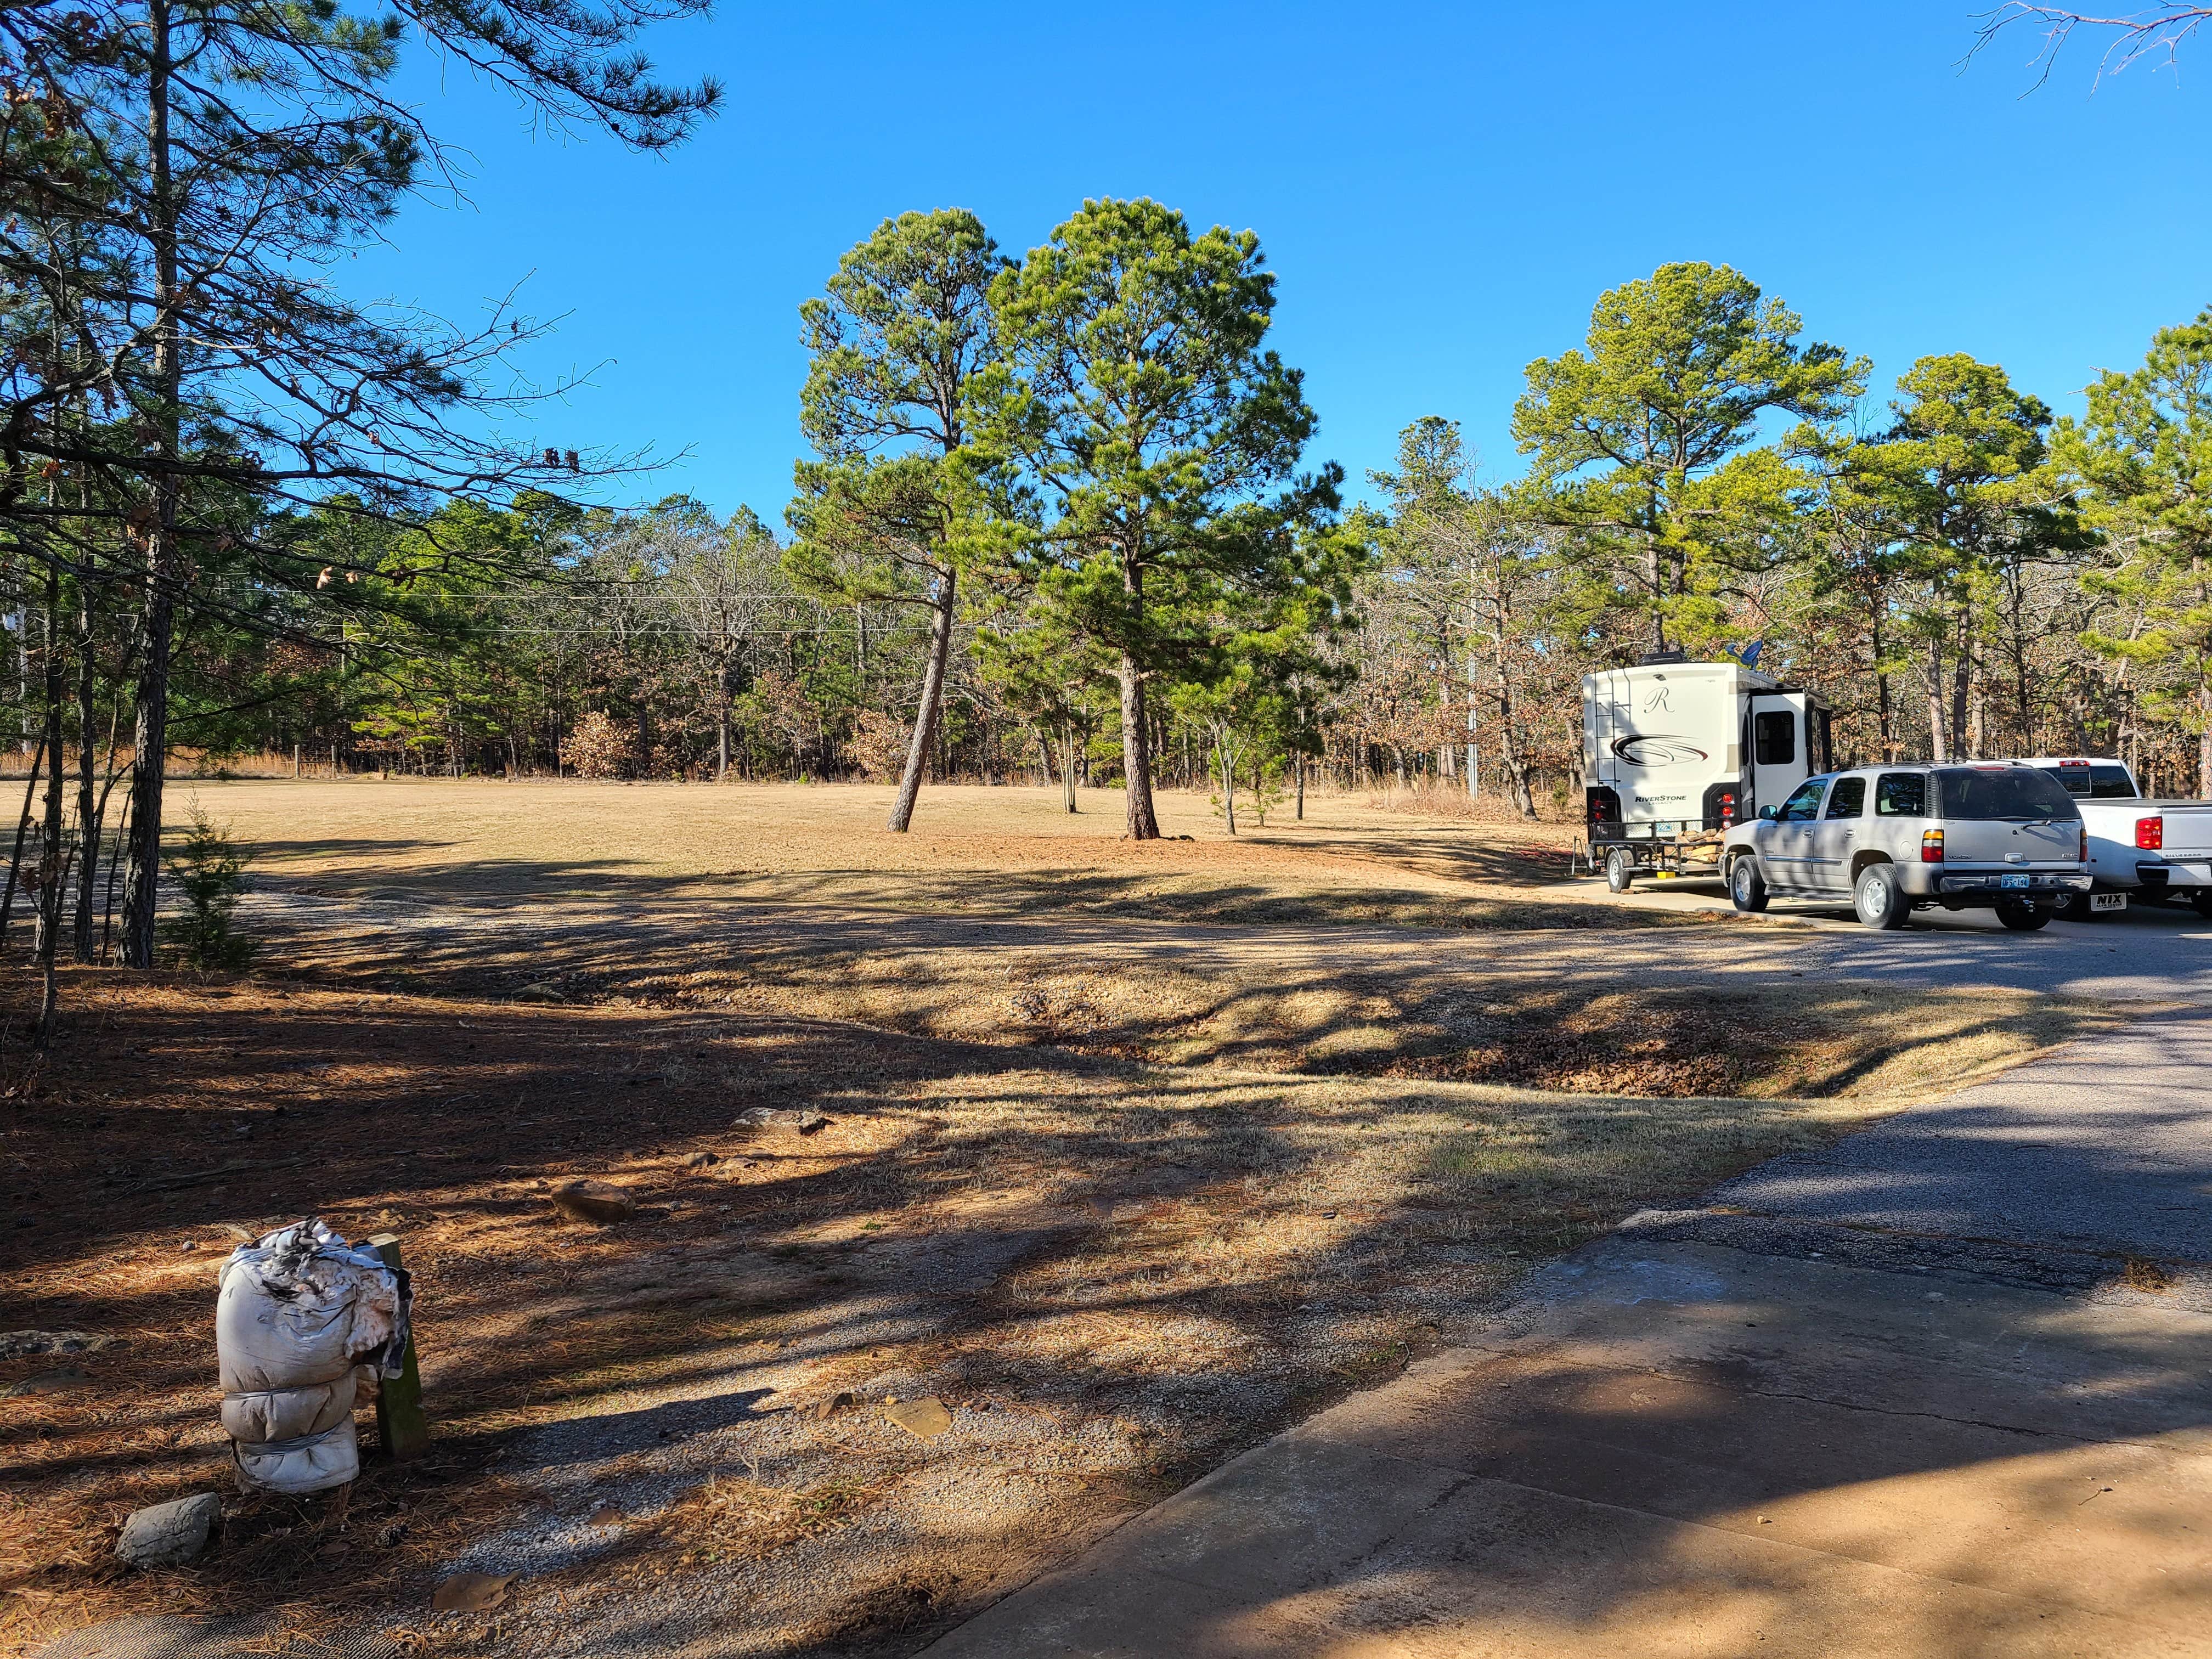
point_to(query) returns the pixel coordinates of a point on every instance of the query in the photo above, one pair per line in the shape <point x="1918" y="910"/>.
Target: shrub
<point x="209" y="873"/>
<point x="598" y="748"/>
<point x="877" y="747"/>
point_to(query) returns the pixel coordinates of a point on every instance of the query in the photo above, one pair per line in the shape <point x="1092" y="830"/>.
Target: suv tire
<point x="1875" y="895"/>
<point x="1745" y="886"/>
<point x="2021" y="918"/>
<point x="1620" y="871"/>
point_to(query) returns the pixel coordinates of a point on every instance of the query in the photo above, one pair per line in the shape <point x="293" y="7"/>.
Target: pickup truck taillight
<point x="1931" y="847"/>
<point x="2150" y="834"/>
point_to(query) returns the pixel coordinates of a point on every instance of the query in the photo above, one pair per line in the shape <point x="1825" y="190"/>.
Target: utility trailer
<point x="1675" y="752"/>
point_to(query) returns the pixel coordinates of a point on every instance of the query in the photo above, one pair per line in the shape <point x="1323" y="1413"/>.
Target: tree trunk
<point x="1299" y="767"/>
<point x="23" y="829"/>
<point x="1228" y="760"/>
<point x="1137" y="754"/>
<point x="1938" y="748"/>
<point x="722" y="723"/>
<point x="1962" y="674"/>
<point x="150" y="736"/>
<point x="1067" y="769"/>
<point x="90" y="810"/>
<point x="52" y="867"/>
<point x="932" y="698"/>
<point x="2204" y="737"/>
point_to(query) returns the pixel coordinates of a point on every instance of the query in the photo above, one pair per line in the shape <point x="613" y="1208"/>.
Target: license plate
<point x="2012" y="881"/>
<point x="2108" y="901"/>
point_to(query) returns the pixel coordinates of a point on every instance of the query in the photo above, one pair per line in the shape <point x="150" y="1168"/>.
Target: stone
<point x="924" y="1418"/>
<point x="169" y="1534"/>
<point x="700" y="1160"/>
<point x="797" y="1119"/>
<point x="23" y="1345"/>
<point x="593" y="1200"/>
<point x="824" y="1409"/>
<point x="470" y="1592"/>
<point x="45" y="1382"/>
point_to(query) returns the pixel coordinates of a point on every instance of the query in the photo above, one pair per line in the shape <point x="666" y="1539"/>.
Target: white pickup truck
<point x="2143" y="849"/>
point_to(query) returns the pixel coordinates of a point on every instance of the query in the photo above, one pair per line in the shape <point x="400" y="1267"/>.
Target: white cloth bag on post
<point x="299" y="1309"/>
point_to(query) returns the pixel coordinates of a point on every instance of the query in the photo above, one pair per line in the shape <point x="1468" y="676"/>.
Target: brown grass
<point x="1285" y="1237"/>
<point x="1127" y="1212"/>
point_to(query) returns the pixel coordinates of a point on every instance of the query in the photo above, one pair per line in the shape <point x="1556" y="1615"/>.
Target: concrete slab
<point x="1739" y="1431"/>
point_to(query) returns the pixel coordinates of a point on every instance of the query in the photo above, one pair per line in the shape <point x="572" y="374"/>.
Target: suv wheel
<point x="1620" y="871"/>
<point x="1746" y="887"/>
<point x="1879" y="902"/>
<point x="2021" y="918"/>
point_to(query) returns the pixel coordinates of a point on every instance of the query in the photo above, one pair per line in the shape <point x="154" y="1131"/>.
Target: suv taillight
<point x="2150" y="834"/>
<point x="1931" y="847"/>
<point x="2085" y="843"/>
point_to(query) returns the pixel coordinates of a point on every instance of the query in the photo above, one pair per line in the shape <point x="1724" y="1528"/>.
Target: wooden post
<point x="401" y="1428"/>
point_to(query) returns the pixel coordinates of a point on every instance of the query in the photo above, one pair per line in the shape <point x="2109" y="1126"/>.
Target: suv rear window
<point x="2014" y="791"/>
<point x="1901" y="795"/>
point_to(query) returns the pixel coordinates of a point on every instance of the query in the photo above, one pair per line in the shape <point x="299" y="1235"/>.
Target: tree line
<point x="1057" y="517"/>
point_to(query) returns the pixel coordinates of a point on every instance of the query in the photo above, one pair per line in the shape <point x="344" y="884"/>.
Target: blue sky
<point x="1442" y="190"/>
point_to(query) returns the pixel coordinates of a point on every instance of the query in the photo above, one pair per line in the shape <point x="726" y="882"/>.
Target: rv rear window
<point x="1774" y="737"/>
<point x="1901" y="795"/>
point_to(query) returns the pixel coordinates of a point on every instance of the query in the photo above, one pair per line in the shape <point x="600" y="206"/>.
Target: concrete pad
<point x="1688" y="1449"/>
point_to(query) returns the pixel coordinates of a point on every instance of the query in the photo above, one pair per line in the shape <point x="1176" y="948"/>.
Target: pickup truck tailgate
<point x="2137" y="842"/>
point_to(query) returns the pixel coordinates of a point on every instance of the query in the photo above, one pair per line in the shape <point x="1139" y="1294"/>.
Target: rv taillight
<point x="2150" y="834"/>
<point x="1931" y="847"/>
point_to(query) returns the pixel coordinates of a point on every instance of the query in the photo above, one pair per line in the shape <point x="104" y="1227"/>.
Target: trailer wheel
<point x="1619" y="870"/>
<point x="1745" y="886"/>
<point x="1877" y="900"/>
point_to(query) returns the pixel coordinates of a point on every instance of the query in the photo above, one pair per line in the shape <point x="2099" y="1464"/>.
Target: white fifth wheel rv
<point x="1674" y="752"/>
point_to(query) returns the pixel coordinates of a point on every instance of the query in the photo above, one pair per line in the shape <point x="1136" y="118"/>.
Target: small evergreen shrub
<point x="209" y="873"/>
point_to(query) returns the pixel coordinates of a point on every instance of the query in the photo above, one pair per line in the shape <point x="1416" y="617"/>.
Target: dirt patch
<point x="1111" y="1275"/>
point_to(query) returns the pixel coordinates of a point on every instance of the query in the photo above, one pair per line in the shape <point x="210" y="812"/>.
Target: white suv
<point x="1896" y="839"/>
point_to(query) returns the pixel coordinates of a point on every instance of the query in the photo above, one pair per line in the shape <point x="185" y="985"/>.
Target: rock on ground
<point x="169" y="1534"/>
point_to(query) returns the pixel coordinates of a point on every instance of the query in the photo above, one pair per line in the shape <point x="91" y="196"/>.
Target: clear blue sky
<point x="1442" y="190"/>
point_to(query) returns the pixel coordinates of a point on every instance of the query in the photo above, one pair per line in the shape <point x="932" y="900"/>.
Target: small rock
<point x="824" y="1409"/>
<point x="470" y="1592"/>
<point x="23" y="1345"/>
<point x="45" y="1382"/>
<point x="169" y="1534"/>
<point x="925" y="1419"/>
<point x="798" y="1120"/>
<point x="538" y="993"/>
<point x="190" y="1244"/>
<point x="700" y="1160"/>
<point x="606" y="1516"/>
<point x="593" y="1200"/>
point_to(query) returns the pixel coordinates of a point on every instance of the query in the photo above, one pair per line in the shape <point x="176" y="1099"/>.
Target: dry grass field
<point x="1132" y="1154"/>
